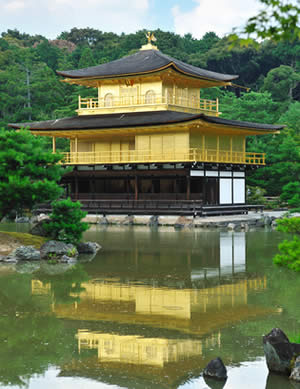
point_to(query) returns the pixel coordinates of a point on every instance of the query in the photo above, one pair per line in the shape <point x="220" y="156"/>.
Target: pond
<point x="150" y="311"/>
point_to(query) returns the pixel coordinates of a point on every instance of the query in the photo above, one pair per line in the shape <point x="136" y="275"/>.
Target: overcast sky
<point x="51" y="17"/>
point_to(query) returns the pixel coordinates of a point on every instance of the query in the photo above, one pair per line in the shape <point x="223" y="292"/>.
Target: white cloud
<point x="220" y="16"/>
<point x="14" y="5"/>
<point x="50" y="17"/>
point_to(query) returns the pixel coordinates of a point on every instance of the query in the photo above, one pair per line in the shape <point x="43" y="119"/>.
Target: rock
<point x="244" y="227"/>
<point x="216" y="369"/>
<point x="128" y="221"/>
<point x="88" y="247"/>
<point x="268" y="221"/>
<point x="260" y="222"/>
<point x="53" y="249"/>
<point x="22" y="219"/>
<point x="26" y="253"/>
<point x="103" y="220"/>
<point x="38" y="229"/>
<point x="67" y="259"/>
<point x="231" y="226"/>
<point x="153" y="221"/>
<point x="295" y="375"/>
<point x="279" y="351"/>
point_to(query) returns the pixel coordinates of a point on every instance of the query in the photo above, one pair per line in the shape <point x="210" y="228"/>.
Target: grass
<point x="26" y="239"/>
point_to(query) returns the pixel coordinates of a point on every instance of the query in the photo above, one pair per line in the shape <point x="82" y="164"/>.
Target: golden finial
<point x="151" y="38"/>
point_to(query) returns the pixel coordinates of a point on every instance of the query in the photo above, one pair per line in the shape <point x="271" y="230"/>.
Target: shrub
<point x="289" y="254"/>
<point x="65" y="221"/>
<point x="255" y="195"/>
<point x="289" y="249"/>
<point x="289" y="225"/>
<point x="291" y="194"/>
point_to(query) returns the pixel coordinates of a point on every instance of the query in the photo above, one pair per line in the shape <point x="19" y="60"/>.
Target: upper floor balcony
<point x="172" y="156"/>
<point x="147" y="102"/>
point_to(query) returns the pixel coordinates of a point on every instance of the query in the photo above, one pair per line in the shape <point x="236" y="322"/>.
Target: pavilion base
<point x="157" y="208"/>
<point x="167" y="189"/>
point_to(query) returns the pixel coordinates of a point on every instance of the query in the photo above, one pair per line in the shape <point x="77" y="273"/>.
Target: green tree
<point x="281" y="82"/>
<point x="86" y="59"/>
<point x="291" y="194"/>
<point x="65" y="221"/>
<point x="279" y="20"/>
<point x="29" y="173"/>
<point x="289" y="249"/>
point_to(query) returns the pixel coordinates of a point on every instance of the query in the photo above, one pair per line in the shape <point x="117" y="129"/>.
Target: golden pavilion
<point x="148" y="143"/>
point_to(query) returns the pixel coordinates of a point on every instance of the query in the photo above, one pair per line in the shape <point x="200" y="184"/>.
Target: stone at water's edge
<point x="88" y="247"/>
<point x="216" y="369"/>
<point x="57" y="249"/>
<point x="26" y="253"/>
<point x="279" y="351"/>
<point x="38" y="228"/>
<point x="295" y="375"/>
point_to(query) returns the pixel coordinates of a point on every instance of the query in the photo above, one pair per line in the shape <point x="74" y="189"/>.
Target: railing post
<point x="79" y="102"/>
<point x="217" y="105"/>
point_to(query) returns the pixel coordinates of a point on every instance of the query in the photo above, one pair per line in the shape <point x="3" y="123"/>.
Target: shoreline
<point x="251" y="219"/>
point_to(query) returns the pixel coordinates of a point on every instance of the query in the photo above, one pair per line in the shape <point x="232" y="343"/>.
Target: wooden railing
<point x="150" y="156"/>
<point x="131" y="101"/>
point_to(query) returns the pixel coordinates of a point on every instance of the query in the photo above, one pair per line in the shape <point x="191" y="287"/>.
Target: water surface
<point x="150" y="311"/>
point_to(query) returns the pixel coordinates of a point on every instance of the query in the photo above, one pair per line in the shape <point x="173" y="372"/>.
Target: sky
<point x="50" y="17"/>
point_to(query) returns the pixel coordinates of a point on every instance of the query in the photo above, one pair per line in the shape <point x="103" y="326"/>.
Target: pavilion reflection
<point x="168" y="324"/>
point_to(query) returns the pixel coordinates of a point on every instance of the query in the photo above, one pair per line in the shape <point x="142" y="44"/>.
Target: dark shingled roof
<point x="136" y="119"/>
<point x="144" y="61"/>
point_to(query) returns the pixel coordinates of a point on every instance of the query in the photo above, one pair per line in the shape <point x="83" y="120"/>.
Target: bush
<point x="289" y="254"/>
<point x="289" y="249"/>
<point x="65" y="221"/>
<point x="289" y="225"/>
<point x="255" y="195"/>
<point x="291" y="194"/>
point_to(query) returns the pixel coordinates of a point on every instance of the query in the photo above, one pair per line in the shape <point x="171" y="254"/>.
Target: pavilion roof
<point x="142" y="62"/>
<point x="137" y="119"/>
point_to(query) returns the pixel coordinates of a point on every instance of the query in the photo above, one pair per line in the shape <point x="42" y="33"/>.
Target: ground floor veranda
<point x="158" y="189"/>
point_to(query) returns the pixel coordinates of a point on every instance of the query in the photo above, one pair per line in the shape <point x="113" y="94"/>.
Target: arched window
<point x="150" y="97"/>
<point x="108" y="100"/>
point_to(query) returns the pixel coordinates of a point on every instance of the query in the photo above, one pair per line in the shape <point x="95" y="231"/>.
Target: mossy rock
<point x="21" y="238"/>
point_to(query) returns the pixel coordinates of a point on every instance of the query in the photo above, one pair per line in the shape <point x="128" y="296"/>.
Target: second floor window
<point x="150" y="97"/>
<point x="108" y="100"/>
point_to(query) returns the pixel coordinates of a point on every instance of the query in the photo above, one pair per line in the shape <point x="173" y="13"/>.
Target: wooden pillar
<point x="76" y="187"/>
<point x="53" y="144"/>
<point x="136" y="188"/>
<point x="176" y="187"/>
<point x="76" y="145"/>
<point x="188" y="187"/>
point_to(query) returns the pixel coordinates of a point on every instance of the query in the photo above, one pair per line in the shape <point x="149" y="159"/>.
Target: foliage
<point x="289" y="249"/>
<point x="289" y="254"/>
<point x="281" y="82"/>
<point x="291" y="194"/>
<point x="255" y="195"/>
<point x="289" y="225"/>
<point x="65" y="221"/>
<point x="29" y="173"/>
<point x="279" y="20"/>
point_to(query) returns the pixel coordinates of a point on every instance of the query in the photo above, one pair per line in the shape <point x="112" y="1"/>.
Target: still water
<point x="150" y="311"/>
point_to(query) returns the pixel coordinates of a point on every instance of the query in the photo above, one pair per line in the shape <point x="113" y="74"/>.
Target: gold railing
<point x="150" y="156"/>
<point x="131" y="101"/>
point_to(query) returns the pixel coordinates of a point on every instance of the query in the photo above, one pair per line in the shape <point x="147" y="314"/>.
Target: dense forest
<point x="31" y="90"/>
